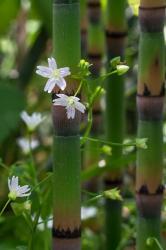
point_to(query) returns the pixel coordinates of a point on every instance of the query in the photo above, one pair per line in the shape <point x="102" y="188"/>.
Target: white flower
<point x="32" y="121"/>
<point x="88" y="212"/>
<point x="71" y="103"/>
<point x="26" y="146"/>
<point x="16" y="190"/>
<point x="55" y="76"/>
<point x="102" y="163"/>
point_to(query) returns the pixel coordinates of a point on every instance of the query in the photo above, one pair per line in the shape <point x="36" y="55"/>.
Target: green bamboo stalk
<point x="150" y="98"/>
<point x="66" y="150"/>
<point x="95" y="36"/>
<point x="83" y="18"/>
<point x="115" y="41"/>
<point x="94" y="54"/>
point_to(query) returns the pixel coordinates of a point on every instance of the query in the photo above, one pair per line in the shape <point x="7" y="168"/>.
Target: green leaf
<point x="12" y="102"/>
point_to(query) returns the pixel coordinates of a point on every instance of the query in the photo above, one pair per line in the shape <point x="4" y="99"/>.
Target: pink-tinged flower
<point x="55" y="76"/>
<point x="71" y="103"/>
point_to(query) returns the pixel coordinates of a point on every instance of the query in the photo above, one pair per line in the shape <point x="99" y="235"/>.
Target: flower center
<point x="71" y="102"/>
<point x="56" y="73"/>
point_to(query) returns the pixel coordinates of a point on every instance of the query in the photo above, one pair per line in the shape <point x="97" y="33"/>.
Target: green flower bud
<point x="122" y="69"/>
<point x="141" y="143"/>
<point x="113" y="194"/>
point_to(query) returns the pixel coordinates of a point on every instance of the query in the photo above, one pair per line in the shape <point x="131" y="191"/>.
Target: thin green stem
<point x="30" y="245"/>
<point x="28" y="221"/>
<point x="97" y="197"/>
<point x="158" y="244"/>
<point x="89" y="193"/>
<point x="95" y="95"/>
<point x="3" y="209"/>
<point x="79" y="88"/>
<point x="109" y="143"/>
<point x="88" y="129"/>
<point x="41" y="182"/>
<point x="32" y="161"/>
<point x="2" y="165"/>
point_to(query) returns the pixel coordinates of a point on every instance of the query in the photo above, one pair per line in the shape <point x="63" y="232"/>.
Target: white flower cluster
<point x="56" y="77"/>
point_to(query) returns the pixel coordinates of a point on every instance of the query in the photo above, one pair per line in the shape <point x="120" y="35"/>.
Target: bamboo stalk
<point x="83" y="14"/>
<point x="95" y="54"/>
<point x="95" y="37"/>
<point x="150" y="98"/>
<point x="67" y="194"/>
<point x="115" y="41"/>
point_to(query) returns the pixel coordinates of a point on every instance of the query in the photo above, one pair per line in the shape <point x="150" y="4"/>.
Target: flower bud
<point x="122" y="69"/>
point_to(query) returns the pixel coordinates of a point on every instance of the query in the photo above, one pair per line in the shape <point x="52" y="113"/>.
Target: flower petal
<point x="14" y="182"/>
<point x="70" y="112"/>
<point x="79" y="106"/>
<point x="24" y="195"/>
<point x="24" y="116"/>
<point x="75" y="98"/>
<point x="9" y="184"/>
<point x="50" y="84"/>
<point x="61" y="83"/>
<point x="60" y="102"/>
<point x="64" y="71"/>
<point x="24" y="189"/>
<point x="44" y="71"/>
<point x="52" y="63"/>
<point x="62" y="96"/>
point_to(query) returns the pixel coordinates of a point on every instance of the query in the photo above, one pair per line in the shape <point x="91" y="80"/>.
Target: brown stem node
<point x="152" y="19"/>
<point x="66" y="234"/>
<point x="62" y="125"/>
<point x="150" y="107"/>
<point x="149" y="205"/>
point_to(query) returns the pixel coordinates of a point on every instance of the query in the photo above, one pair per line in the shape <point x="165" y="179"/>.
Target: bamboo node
<point x="114" y="34"/>
<point x="144" y="190"/>
<point x="67" y="234"/>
